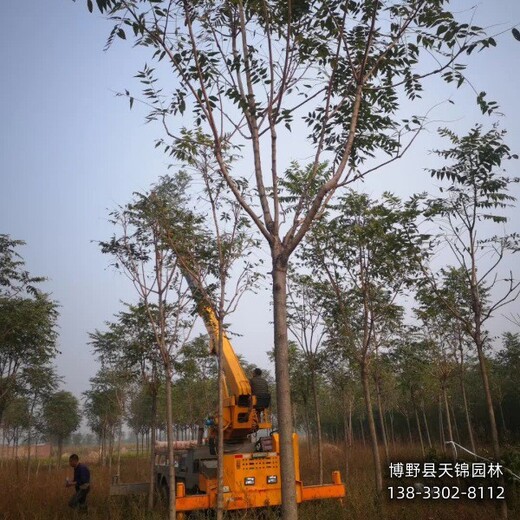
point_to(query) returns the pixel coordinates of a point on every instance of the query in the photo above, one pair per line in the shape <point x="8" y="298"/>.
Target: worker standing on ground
<point x="260" y="389"/>
<point x="81" y="483"/>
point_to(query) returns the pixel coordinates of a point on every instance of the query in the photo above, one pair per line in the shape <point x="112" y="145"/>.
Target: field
<point x="43" y="496"/>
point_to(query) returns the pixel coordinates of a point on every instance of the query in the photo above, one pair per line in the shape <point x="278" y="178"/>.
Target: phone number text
<point x="446" y="493"/>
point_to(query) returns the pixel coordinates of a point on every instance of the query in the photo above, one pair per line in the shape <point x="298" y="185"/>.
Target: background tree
<point x="40" y="381"/>
<point x="209" y="269"/>
<point x="61" y="418"/>
<point x="307" y="325"/>
<point x="140" y="251"/>
<point x="507" y="370"/>
<point x="367" y="268"/>
<point x="477" y="193"/>
<point x="27" y="322"/>
<point x="16" y="420"/>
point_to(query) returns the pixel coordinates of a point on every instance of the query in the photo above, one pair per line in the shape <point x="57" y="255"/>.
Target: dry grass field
<point x="43" y="496"/>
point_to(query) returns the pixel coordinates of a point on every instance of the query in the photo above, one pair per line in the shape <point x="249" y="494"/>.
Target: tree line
<point x="32" y="407"/>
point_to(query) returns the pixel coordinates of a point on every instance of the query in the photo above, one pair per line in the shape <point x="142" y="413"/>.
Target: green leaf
<point x="121" y="33"/>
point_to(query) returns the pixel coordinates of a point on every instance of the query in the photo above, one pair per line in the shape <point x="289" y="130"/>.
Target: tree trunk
<point x="318" y="426"/>
<point x="350" y="429"/>
<point x="447" y="412"/>
<point x="419" y="428"/>
<point x="151" y="489"/>
<point x="283" y="389"/>
<point x="169" y="438"/>
<point x="410" y="436"/>
<point x="362" y="431"/>
<point x="29" y="443"/>
<point x="119" y="435"/>
<point x="479" y="343"/>
<point x="502" y="418"/>
<point x="309" y="433"/>
<point x="60" y="451"/>
<point x="454" y="418"/>
<point x="220" y="413"/>
<point x="426" y="427"/>
<point x="110" y="450"/>
<point x="442" y="438"/>
<point x="392" y="429"/>
<point x="347" y="421"/>
<point x="372" y="429"/>
<point x="382" y="420"/>
<point x="465" y="402"/>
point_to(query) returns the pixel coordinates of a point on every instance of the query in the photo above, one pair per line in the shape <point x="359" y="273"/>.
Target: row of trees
<point x="31" y="406"/>
<point x="267" y="79"/>
<point x="374" y="319"/>
<point x="364" y="256"/>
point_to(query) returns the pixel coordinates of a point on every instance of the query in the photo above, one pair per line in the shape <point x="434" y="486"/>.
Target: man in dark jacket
<point x="260" y="389"/>
<point x="81" y="483"/>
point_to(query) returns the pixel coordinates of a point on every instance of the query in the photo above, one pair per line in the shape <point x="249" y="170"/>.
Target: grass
<point x="43" y="496"/>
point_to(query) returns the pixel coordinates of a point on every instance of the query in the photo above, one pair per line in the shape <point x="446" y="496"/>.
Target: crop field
<point x="42" y="495"/>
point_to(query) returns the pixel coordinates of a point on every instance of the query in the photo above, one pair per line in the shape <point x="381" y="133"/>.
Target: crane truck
<point x="252" y="470"/>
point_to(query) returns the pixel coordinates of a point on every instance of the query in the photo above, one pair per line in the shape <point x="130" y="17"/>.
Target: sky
<point x="71" y="150"/>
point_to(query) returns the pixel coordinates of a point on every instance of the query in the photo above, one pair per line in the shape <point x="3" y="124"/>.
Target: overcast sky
<point x="70" y="150"/>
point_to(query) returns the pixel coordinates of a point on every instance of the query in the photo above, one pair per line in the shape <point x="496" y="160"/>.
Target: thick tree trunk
<point x="372" y="429"/>
<point x="283" y="389"/>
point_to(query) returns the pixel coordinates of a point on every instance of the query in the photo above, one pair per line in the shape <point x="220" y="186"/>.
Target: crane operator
<point x="260" y="389"/>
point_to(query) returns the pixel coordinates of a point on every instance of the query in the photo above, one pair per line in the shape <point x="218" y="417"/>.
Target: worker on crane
<point x="260" y="389"/>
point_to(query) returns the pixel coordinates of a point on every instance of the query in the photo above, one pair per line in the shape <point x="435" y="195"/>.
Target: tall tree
<point x="306" y="323"/>
<point x="232" y="244"/>
<point x="478" y="192"/>
<point x="139" y="249"/>
<point x="247" y="71"/>
<point x="39" y="382"/>
<point x="61" y="418"/>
